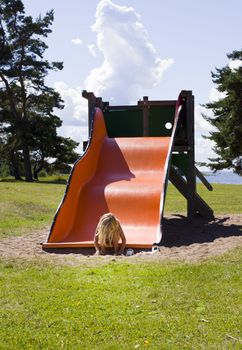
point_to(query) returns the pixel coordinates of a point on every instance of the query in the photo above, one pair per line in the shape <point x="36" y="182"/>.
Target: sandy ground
<point x="182" y="241"/>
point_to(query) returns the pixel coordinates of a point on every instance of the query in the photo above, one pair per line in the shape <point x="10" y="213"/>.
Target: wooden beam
<point x="99" y="102"/>
<point x="203" y="179"/>
<point x="200" y="206"/>
<point x="121" y="108"/>
<point x="145" y="116"/>
<point x="191" y="174"/>
<point x="168" y="103"/>
<point x="91" y="105"/>
<point x="180" y="149"/>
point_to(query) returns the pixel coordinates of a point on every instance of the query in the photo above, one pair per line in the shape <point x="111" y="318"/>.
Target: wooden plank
<point x="168" y="103"/>
<point x="145" y="116"/>
<point x="203" y="179"/>
<point x="180" y="149"/>
<point x="200" y="206"/>
<point x="123" y="108"/>
<point x="191" y="175"/>
<point x="91" y="105"/>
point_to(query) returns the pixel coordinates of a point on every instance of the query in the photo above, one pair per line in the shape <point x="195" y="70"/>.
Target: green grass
<point x="122" y="305"/>
<point x="224" y="199"/>
<point x="56" y="179"/>
<point x="25" y="207"/>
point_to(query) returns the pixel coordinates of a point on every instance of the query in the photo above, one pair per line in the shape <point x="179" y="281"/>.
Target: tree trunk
<point x="27" y="164"/>
<point x="14" y="162"/>
<point x="37" y="169"/>
<point x="35" y="172"/>
<point x="38" y="166"/>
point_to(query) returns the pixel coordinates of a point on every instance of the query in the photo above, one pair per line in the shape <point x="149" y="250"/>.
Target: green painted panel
<point x="124" y="123"/>
<point x="129" y="122"/>
<point x="158" y="117"/>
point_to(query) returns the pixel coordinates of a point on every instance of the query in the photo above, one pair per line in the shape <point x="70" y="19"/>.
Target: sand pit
<point x="182" y="241"/>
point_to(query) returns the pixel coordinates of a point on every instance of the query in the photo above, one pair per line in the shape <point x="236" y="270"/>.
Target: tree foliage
<point x="227" y="117"/>
<point x="27" y="104"/>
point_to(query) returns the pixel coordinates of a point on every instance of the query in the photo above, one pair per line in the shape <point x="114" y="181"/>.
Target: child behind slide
<point x="108" y="234"/>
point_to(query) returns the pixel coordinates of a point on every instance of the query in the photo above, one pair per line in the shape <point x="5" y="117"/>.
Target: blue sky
<point x="137" y="48"/>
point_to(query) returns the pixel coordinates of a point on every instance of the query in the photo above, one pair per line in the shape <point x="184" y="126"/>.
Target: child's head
<point x="108" y="230"/>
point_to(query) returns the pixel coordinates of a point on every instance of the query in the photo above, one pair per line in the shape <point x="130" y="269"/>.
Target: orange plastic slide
<point x="125" y="176"/>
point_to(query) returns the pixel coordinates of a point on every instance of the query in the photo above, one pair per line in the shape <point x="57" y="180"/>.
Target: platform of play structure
<point x="132" y="153"/>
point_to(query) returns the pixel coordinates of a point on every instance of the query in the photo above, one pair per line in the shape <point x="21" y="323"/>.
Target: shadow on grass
<point x="52" y="182"/>
<point x="179" y="231"/>
<point x="11" y="180"/>
<point x="57" y="181"/>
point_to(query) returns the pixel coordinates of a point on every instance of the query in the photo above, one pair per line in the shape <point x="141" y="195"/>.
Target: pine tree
<point x="227" y="117"/>
<point x="24" y="97"/>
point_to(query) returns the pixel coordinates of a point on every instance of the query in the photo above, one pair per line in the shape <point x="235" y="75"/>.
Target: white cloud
<point x="216" y="95"/>
<point x="235" y="64"/>
<point x="92" y="49"/>
<point x="74" y="115"/>
<point x="75" y="110"/>
<point x="77" y="133"/>
<point x="130" y="65"/>
<point x="202" y="127"/>
<point x="76" y="41"/>
<point x="203" y="147"/>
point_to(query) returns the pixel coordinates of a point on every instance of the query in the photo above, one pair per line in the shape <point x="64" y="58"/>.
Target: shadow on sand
<point x="178" y="231"/>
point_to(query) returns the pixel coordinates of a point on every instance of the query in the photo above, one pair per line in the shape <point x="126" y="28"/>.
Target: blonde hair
<point x="108" y="230"/>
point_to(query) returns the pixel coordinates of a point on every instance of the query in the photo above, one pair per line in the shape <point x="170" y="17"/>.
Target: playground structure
<point x="131" y="154"/>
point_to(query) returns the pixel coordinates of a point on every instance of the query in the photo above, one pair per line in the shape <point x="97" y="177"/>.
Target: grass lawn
<point x="25" y="207"/>
<point x="122" y="305"/>
<point x="224" y="199"/>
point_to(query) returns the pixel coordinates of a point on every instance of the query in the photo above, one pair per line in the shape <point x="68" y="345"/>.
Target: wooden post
<point x="99" y="102"/>
<point x="201" y="207"/>
<point x="203" y="179"/>
<point x="91" y="105"/>
<point x="191" y="175"/>
<point x="145" y="116"/>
